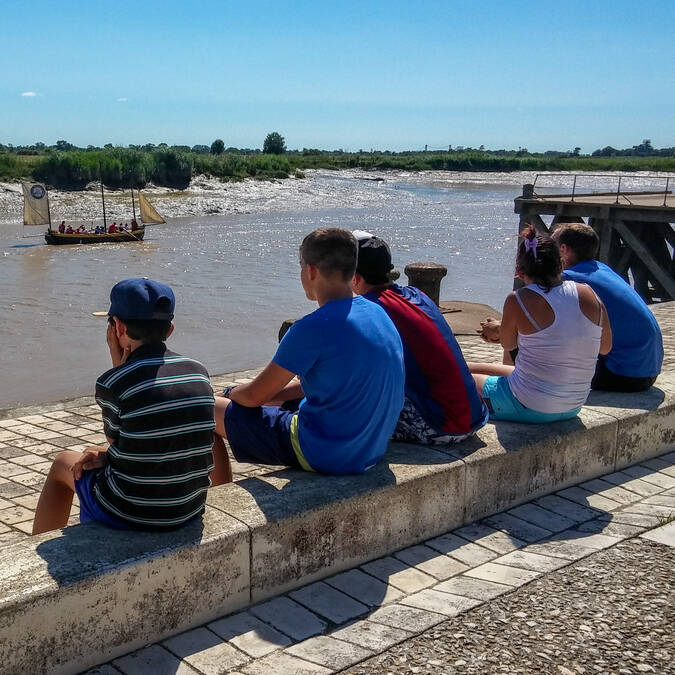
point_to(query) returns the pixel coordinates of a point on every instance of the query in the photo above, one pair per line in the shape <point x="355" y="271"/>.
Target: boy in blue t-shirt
<point x="349" y="358"/>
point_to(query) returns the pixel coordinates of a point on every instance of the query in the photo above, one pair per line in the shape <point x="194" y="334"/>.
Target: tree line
<point x="66" y="166"/>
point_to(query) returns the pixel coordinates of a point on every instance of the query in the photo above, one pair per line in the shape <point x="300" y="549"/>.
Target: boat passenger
<point x="112" y="229"/>
<point x="62" y="227"/>
<point x="134" y="225"/>
<point x="441" y="403"/>
<point x="69" y="230"/>
<point x="559" y="327"/>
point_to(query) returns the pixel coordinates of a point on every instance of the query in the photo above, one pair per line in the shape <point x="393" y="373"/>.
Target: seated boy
<point x="442" y="404"/>
<point x="158" y="419"/>
<point x="349" y="359"/>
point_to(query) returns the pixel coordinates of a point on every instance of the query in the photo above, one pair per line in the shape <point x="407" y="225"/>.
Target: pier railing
<point x="619" y="192"/>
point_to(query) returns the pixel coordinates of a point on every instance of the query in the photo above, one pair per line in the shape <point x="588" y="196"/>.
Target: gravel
<point x="613" y="612"/>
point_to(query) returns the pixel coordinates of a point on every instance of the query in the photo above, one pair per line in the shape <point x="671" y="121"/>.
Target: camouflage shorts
<point x="412" y="428"/>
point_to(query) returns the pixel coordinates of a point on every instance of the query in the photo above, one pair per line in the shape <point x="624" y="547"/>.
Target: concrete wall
<point x="72" y="599"/>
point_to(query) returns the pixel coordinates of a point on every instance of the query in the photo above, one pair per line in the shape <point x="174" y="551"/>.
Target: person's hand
<point x="93" y="457"/>
<point x="118" y="354"/>
<point x="490" y="330"/>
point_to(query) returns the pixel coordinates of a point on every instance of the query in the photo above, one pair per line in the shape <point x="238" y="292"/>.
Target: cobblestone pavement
<point x="608" y="612"/>
<point x="613" y="612"/>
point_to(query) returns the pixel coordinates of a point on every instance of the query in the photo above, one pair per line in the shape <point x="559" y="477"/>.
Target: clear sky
<point x="351" y="74"/>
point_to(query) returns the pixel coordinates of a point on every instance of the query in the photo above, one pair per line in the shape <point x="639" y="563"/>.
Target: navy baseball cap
<point x="141" y="299"/>
<point x="374" y="260"/>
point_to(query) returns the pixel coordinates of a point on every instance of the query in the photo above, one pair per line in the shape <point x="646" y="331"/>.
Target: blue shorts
<point x="261" y="435"/>
<point x="503" y="405"/>
<point x="89" y="507"/>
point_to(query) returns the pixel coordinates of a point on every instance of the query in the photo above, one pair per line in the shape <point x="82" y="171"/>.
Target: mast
<point x="100" y="174"/>
<point x="133" y="204"/>
<point x="49" y="217"/>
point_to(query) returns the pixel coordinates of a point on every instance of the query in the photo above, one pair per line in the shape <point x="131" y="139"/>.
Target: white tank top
<point x="555" y="365"/>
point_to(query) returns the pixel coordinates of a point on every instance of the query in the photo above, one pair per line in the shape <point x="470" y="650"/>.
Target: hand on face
<point x="118" y="353"/>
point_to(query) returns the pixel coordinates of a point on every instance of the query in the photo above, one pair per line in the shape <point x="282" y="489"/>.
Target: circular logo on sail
<point x="37" y="192"/>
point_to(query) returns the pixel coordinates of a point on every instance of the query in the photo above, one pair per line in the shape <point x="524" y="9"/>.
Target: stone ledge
<point x="72" y="599"/>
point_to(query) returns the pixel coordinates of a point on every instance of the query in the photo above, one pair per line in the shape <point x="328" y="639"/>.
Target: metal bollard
<point x="427" y="277"/>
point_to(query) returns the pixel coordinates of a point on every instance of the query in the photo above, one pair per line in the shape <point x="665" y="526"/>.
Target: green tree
<point x="274" y="144"/>
<point x="217" y="147"/>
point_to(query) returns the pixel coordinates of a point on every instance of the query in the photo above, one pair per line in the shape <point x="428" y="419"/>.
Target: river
<point x="236" y="274"/>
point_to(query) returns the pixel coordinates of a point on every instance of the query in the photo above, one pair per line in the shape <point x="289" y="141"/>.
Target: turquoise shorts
<point x="503" y="405"/>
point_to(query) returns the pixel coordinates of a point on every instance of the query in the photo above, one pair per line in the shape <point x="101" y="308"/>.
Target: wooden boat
<point x="36" y="212"/>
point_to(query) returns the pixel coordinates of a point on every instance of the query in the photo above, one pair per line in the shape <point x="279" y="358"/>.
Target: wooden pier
<point x="635" y="228"/>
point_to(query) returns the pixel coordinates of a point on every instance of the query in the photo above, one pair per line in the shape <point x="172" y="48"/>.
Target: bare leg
<point x="497" y="369"/>
<point x="222" y="469"/>
<point x="53" y="509"/>
<point x="219" y="413"/>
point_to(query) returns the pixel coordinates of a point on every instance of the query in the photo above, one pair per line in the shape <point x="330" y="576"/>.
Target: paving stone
<point x="329" y="602"/>
<point x="398" y="574"/>
<point x="594" y="541"/>
<point x="586" y="498"/>
<point x="290" y="618"/>
<point x="105" y="669"/>
<point x="532" y="561"/>
<point x="329" y="652"/>
<point x="374" y="636"/>
<point x="636" y="485"/>
<point x="282" y="663"/>
<point x="650" y="476"/>
<point x="615" y="492"/>
<point x="610" y="528"/>
<point x="440" y="602"/>
<point x="497" y="541"/>
<point x="152" y="659"/>
<point x="205" y="651"/>
<point x="29" y="501"/>
<point x="11" y="490"/>
<point x="661" y="500"/>
<point x="516" y="527"/>
<point x="365" y="588"/>
<point x="502" y="574"/>
<point x="30" y="479"/>
<point x="537" y="515"/>
<point x="408" y="618"/>
<point x="8" y="452"/>
<point x="646" y="509"/>
<point x="248" y="633"/>
<point x="4" y="504"/>
<point x="7" y="470"/>
<point x="467" y="552"/>
<point x="468" y="587"/>
<point x="572" y="549"/>
<point x="637" y="519"/>
<point x="15" y="514"/>
<point x="658" y="464"/>
<point x="662" y="535"/>
<point x="431" y="562"/>
<point x="27" y="459"/>
<point x="4" y="528"/>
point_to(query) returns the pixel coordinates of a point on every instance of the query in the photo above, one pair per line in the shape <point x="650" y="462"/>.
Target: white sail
<point x="35" y="204"/>
<point x="148" y="213"/>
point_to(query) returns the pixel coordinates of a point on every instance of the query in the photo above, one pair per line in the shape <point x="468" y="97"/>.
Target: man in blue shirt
<point x="349" y="358"/>
<point x="635" y="359"/>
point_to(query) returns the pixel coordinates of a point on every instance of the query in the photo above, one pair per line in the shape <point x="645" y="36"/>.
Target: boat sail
<point x="36" y="212"/>
<point x="35" y="205"/>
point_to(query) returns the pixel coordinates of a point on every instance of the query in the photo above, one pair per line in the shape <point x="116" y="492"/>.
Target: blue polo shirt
<point x="637" y="347"/>
<point x="349" y="357"/>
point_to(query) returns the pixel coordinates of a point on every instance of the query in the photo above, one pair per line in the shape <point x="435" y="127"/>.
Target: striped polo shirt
<point x="158" y="413"/>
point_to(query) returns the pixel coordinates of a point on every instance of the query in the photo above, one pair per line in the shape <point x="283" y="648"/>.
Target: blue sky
<point x="378" y="74"/>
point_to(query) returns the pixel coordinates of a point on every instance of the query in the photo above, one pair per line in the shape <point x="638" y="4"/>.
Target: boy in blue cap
<point x="158" y="418"/>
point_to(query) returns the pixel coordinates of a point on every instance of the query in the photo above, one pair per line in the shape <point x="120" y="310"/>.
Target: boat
<point x="36" y="213"/>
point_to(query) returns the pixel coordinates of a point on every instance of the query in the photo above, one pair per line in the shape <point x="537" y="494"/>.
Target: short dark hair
<point x="581" y="238"/>
<point x="540" y="262"/>
<point x="332" y="250"/>
<point x="147" y="331"/>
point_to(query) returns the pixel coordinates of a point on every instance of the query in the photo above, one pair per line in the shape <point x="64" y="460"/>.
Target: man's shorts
<point x="411" y="427"/>
<point x="263" y="435"/>
<point x="89" y="507"/>
<point x="605" y="380"/>
<point x="503" y="405"/>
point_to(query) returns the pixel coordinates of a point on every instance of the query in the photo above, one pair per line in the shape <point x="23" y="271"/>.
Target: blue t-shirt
<point x="637" y="347"/>
<point x="349" y="357"/>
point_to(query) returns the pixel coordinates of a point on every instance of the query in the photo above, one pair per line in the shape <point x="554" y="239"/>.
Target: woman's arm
<point x="508" y="334"/>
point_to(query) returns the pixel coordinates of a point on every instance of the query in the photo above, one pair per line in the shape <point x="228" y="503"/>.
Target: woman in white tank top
<point x="559" y="327"/>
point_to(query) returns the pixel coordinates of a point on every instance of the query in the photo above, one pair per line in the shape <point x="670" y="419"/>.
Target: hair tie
<point x="531" y="245"/>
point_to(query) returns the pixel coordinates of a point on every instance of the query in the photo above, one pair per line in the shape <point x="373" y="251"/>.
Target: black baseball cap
<point x="374" y="259"/>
